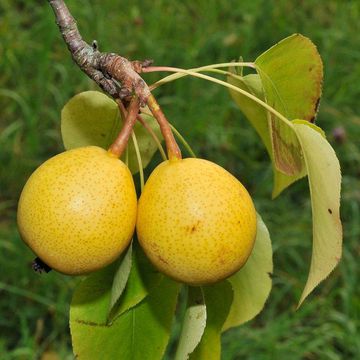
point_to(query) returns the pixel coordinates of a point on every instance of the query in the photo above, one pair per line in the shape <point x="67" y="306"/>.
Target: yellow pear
<point x="77" y="211"/>
<point x="196" y="222"/>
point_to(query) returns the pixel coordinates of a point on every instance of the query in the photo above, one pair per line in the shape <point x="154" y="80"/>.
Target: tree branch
<point x="106" y="69"/>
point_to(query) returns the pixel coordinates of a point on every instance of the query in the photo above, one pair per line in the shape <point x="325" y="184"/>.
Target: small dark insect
<point x="39" y="266"/>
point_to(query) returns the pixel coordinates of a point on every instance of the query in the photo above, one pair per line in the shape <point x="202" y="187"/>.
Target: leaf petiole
<point x="138" y="156"/>
<point x="183" y="72"/>
<point x="179" y="75"/>
<point x="183" y="141"/>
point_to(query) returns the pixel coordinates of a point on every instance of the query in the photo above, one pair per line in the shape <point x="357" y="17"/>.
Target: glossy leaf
<point x="194" y="323"/>
<point x="92" y="118"/>
<point x="140" y="333"/>
<point x="218" y="299"/>
<point x="324" y="177"/>
<point x="252" y="283"/>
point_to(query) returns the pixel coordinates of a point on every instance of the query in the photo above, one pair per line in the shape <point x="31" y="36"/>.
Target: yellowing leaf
<point x="258" y="118"/>
<point x="254" y="112"/>
<point x="324" y="180"/>
<point x="194" y="323"/>
<point x="290" y="81"/>
<point x="286" y="147"/>
<point x="252" y="284"/>
<point x="313" y="126"/>
<point x="292" y="72"/>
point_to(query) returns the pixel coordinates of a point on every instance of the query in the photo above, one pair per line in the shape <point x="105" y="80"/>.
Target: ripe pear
<point x="196" y="222"/>
<point x="77" y="211"/>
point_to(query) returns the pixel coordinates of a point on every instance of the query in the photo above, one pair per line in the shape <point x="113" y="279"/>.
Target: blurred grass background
<point x="37" y="77"/>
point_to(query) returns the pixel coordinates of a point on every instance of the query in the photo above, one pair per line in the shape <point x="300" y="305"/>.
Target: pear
<point x="196" y="222"/>
<point x="77" y="211"/>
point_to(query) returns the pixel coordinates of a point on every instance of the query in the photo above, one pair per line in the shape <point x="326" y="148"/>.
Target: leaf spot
<point x="330" y="211"/>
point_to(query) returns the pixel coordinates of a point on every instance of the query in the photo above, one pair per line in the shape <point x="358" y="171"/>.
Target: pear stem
<point x="171" y="145"/>
<point x="147" y="127"/>
<point x="120" y="143"/>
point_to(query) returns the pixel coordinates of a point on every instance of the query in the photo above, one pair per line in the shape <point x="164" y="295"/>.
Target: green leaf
<point x="91" y="299"/>
<point x="292" y="75"/>
<point x="258" y="117"/>
<point x="92" y="118"/>
<point x="290" y="80"/>
<point x="142" y="333"/>
<point x="193" y="324"/>
<point x="252" y="283"/>
<point x="324" y="177"/>
<point x="143" y="278"/>
<point x="218" y="299"/>
<point x="121" y="277"/>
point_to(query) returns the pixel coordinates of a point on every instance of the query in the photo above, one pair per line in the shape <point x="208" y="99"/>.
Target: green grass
<point x="37" y="77"/>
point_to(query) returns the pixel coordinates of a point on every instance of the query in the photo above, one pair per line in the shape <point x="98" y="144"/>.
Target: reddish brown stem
<point x="171" y="145"/>
<point x="146" y="126"/>
<point x="120" y="143"/>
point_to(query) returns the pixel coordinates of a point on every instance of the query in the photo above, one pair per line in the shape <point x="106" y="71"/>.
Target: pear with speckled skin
<point x="77" y="211"/>
<point x="196" y="222"/>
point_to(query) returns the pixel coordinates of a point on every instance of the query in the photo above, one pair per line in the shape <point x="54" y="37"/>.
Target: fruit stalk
<point x="120" y="143"/>
<point x="171" y="144"/>
<point x="147" y="127"/>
